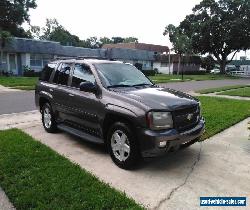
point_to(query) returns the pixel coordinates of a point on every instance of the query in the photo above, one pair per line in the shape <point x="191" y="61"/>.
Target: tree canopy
<point x="219" y="27"/>
<point x="13" y="13"/>
<point x="54" y="31"/>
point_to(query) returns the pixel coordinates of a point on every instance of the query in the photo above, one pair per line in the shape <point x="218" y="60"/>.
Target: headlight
<point x="159" y="120"/>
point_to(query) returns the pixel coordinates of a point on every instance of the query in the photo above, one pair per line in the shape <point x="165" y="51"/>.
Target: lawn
<point x="164" y="78"/>
<point x="213" y="90"/>
<point x="221" y="113"/>
<point x="23" y="83"/>
<point x="35" y="177"/>
<point x="243" y="92"/>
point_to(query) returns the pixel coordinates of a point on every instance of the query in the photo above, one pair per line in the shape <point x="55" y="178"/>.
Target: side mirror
<point x="88" y="87"/>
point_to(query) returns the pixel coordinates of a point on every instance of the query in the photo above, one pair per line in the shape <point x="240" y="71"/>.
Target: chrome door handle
<point x="71" y="95"/>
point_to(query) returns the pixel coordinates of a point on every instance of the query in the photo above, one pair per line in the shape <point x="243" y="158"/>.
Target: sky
<point x="144" y="19"/>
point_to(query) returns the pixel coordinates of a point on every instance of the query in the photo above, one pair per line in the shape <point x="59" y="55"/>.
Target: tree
<point x="181" y="43"/>
<point x="130" y="40"/>
<point x="117" y="39"/>
<point x="207" y="63"/>
<point x="5" y="37"/>
<point x="53" y="31"/>
<point x="13" y="13"/>
<point x="219" y="28"/>
<point x="105" y="40"/>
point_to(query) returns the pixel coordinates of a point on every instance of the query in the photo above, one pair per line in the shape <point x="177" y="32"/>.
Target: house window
<point x="36" y="60"/>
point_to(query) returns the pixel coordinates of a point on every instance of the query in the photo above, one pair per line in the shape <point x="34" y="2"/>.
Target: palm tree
<point x="5" y="37"/>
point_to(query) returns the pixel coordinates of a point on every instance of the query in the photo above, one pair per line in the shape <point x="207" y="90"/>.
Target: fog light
<point x="162" y="143"/>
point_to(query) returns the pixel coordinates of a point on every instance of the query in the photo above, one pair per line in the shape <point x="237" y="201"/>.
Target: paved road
<point x="199" y="85"/>
<point x="14" y="102"/>
<point x="218" y="166"/>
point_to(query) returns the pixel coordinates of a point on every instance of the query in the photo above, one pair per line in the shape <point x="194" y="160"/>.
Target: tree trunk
<point x="1" y="62"/>
<point x="179" y="64"/>
<point x="223" y="64"/>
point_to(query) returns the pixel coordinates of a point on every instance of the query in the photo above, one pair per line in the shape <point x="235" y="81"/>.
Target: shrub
<point x="148" y="72"/>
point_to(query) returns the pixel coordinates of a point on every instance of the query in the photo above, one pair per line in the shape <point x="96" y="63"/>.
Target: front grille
<point x="187" y="118"/>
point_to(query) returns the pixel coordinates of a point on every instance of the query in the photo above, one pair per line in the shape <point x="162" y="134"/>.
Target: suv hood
<point x="160" y="98"/>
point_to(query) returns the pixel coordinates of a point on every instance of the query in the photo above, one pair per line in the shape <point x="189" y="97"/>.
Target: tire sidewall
<point x="133" y="158"/>
<point x="53" y="126"/>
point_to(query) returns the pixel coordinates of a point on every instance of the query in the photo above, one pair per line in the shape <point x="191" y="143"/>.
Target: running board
<point x="80" y="134"/>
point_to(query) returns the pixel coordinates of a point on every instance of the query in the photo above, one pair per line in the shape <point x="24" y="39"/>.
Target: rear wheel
<point x="48" y="118"/>
<point x="122" y="146"/>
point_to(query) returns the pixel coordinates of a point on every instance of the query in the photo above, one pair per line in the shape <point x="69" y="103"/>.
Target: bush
<point x="149" y="72"/>
<point x="191" y="72"/>
<point x="31" y="73"/>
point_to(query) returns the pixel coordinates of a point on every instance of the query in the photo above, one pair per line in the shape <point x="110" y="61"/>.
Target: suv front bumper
<point x="150" y="140"/>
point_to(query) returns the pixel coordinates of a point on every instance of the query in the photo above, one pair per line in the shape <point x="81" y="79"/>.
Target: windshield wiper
<point x="115" y="86"/>
<point x="143" y="84"/>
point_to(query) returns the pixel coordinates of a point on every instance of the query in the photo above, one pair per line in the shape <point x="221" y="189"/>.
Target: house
<point x="168" y="64"/>
<point x="22" y="53"/>
<point x="140" y="62"/>
<point x="239" y="67"/>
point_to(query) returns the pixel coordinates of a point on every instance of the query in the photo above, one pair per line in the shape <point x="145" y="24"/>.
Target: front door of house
<point x="13" y="63"/>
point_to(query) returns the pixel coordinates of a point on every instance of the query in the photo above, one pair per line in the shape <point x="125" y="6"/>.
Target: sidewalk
<point x="7" y="89"/>
<point x="4" y="202"/>
<point x="219" y="96"/>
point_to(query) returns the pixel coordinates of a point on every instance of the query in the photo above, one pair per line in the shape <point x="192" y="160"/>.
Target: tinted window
<point x="62" y="74"/>
<point x="82" y="73"/>
<point x="47" y="71"/>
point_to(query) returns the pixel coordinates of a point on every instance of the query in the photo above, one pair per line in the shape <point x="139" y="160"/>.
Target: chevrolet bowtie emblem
<point x="189" y="116"/>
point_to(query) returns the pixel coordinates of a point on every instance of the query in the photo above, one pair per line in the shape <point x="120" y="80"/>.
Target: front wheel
<point x="122" y="146"/>
<point x="48" y="119"/>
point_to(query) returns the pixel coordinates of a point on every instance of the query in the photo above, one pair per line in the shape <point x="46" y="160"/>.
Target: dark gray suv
<point x="112" y="102"/>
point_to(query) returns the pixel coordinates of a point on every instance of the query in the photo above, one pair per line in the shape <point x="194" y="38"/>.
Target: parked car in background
<point x="113" y="103"/>
<point x="215" y="71"/>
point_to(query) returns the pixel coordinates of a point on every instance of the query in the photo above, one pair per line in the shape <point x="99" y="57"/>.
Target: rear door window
<point x="62" y="74"/>
<point x="82" y="73"/>
<point x="47" y="71"/>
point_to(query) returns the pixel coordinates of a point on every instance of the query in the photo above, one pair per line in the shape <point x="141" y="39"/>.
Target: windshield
<point x="121" y="75"/>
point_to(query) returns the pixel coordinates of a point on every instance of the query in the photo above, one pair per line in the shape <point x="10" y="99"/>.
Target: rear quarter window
<point x="46" y="72"/>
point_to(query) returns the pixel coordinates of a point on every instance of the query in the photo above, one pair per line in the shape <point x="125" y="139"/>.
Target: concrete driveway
<point x="219" y="166"/>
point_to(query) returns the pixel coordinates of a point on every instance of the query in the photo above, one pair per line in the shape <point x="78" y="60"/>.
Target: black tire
<point x="133" y="157"/>
<point x="52" y="126"/>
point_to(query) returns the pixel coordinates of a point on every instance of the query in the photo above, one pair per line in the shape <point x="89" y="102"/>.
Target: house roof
<point x="23" y="45"/>
<point x="139" y="46"/>
<point x="239" y="62"/>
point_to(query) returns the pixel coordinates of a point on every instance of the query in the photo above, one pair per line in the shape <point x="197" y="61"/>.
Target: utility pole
<point x="169" y="61"/>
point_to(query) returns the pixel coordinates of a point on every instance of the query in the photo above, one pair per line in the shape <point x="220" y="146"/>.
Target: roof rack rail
<point x="83" y="57"/>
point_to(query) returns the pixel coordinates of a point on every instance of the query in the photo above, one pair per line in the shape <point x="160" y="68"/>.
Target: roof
<point x="239" y="62"/>
<point x="139" y="46"/>
<point x="23" y="45"/>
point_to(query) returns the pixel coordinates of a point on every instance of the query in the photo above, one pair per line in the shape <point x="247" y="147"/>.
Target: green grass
<point x="164" y="78"/>
<point x="221" y="113"/>
<point x="23" y="83"/>
<point x="35" y="177"/>
<point x="213" y="90"/>
<point x="243" y="92"/>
